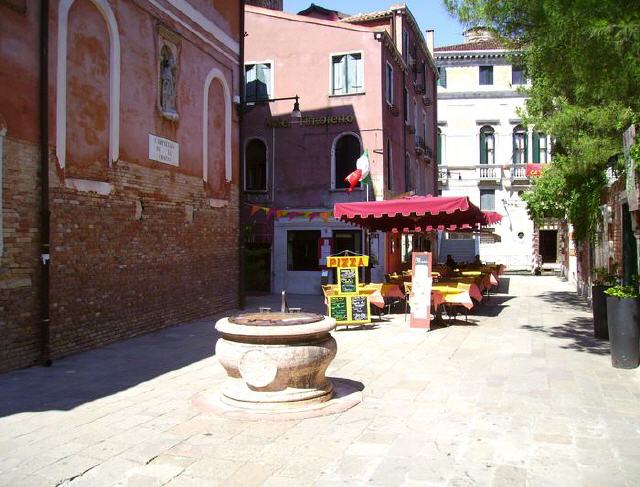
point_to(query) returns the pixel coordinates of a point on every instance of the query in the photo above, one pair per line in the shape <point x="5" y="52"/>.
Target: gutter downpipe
<point x="45" y="357"/>
<point x="241" y="249"/>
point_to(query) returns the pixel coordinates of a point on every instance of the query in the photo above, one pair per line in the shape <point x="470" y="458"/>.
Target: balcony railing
<point x="519" y="172"/>
<point x="420" y="145"/>
<point x="489" y="172"/>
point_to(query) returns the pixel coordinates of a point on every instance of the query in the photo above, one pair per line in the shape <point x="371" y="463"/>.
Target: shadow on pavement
<point x="87" y="376"/>
<point x="490" y="307"/>
<point x="564" y="298"/>
<point x="579" y="333"/>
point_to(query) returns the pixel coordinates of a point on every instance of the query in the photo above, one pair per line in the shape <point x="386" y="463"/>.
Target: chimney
<point x="430" y="41"/>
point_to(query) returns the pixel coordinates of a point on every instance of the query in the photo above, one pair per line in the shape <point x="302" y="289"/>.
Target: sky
<point x="430" y="14"/>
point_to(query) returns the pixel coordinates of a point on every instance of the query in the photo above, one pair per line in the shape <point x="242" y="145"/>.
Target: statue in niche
<point x="168" y="78"/>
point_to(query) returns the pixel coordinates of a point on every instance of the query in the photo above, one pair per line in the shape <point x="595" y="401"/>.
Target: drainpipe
<point x="45" y="358"/>
<point x="241" y="250"/>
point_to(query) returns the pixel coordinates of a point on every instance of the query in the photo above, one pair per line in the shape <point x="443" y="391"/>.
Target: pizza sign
<point x="351" y="261"/>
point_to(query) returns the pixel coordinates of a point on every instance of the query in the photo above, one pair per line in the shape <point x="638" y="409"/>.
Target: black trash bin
<point x="599" y="306"/>
<point x="623" y="317"/>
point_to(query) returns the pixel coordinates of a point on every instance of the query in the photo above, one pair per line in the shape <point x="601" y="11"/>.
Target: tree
<point x="583" y="59"/>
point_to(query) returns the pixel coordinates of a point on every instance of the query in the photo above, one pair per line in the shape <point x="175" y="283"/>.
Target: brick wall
<point x="152" y="253"/>
<point x="19" y="264"/>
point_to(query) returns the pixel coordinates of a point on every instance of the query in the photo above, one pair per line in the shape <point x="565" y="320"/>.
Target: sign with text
<point x="338" y="308"/>
<point x="348" y="280"/>
<point x="533" y="170"/>
<point x="351" y="261"/>
<point x="164" y="150"/>
<point x="420" y="298"/>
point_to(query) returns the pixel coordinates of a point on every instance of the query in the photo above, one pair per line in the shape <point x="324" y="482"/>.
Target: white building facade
<point x="486" y="153"/>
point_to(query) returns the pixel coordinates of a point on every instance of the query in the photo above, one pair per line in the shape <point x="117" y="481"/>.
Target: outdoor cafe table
<point x="454" y="294"/>
<point x="465" y="284"/>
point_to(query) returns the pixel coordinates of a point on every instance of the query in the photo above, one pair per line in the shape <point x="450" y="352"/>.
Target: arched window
<point x="540" y="148"/>
<point x="408" y="183"/>
<point x="255" y="166"/>
<point x="519" y="145"/>
<point x="487" y="145"/>
<point x="346" y="153"/>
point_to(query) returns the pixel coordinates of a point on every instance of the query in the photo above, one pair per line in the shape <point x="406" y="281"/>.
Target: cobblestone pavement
<point x="521" y="394"/>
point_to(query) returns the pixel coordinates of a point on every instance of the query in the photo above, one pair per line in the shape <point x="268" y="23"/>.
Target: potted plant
<point x="623" y="318"/>
<point x="602" y="281"/>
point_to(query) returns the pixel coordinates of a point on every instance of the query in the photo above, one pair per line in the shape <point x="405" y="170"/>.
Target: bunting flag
<point x="291" y="214"/>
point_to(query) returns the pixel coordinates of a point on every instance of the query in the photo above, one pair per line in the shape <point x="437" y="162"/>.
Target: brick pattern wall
<point x="19" y="264"/>
<point x="152" y="253"/>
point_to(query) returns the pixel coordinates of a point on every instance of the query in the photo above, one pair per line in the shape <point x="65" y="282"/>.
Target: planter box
<point x="623" y="318"/>
<point x="599" y="307"/>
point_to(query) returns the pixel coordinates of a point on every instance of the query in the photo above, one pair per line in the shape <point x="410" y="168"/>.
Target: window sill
<point x="339" y="95"/>
<point x="256" y="191"/>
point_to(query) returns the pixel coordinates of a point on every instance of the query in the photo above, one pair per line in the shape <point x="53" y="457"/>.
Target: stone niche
<point x="168" y="66"/>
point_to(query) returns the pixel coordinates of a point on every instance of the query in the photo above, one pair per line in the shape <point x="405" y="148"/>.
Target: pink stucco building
<point x="365" y="82"/>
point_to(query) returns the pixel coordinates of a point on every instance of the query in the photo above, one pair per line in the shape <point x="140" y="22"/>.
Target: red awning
<point x="492" y="217"/>
<point x="415" y="214"/>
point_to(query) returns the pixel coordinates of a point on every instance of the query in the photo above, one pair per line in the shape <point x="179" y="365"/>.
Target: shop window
<point x="347" y="75"/>
<point x="487" y="145"/>
<point x="488" y="199"/>
<point x="350" y="240"/>
<point x="486" y="75"/>
<point x="520" y="145"/>
<point x="256" y="166"/>
<point x="302" y="250"/>
<point x="258" y="79"/>
<point x="347" y="151"/>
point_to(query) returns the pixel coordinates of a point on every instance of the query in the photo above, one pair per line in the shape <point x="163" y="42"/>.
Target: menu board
<point x="348" y="280"/>
<point x="359" y="308"/>
<point x="420" y="298"/>
<point x="338" y="308"/>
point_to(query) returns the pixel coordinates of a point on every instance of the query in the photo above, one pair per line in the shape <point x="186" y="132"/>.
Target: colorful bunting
<point x="291" y="214"/>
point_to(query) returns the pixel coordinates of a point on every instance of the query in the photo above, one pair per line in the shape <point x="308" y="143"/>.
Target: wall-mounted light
<point x="296" y="114"/>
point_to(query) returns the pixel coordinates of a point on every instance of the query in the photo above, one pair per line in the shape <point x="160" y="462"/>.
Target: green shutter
<point x="526" y="147"/>
<point x="514" y="156"/>
<point x="536" y="147"/>
<point x="483" y="148"/>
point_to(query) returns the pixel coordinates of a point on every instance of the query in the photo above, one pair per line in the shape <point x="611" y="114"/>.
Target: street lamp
<point x="296" y="114"/>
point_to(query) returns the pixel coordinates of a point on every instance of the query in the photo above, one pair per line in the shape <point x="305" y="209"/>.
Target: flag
<point x="361" y="174"/>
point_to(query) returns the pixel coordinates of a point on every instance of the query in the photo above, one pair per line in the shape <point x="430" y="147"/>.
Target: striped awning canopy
<point x="416" y="214"/>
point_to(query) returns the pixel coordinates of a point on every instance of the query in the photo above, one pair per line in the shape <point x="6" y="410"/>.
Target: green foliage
<point x="624" y="292"/>
<point x="583" y="58"/>
<point x="602" y="277"/>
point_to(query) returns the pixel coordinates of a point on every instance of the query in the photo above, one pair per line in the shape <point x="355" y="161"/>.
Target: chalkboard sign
<point x="347" y="278"/>
<point x="359" y="308"/>
<point x="338" y="308"/>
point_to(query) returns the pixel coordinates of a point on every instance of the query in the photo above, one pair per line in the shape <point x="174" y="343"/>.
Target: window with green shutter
<point x="520" y="145"/>
<point x="487" y="155"/>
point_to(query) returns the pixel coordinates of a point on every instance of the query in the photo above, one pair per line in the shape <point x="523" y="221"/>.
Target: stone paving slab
<point x="518" y="394"/>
